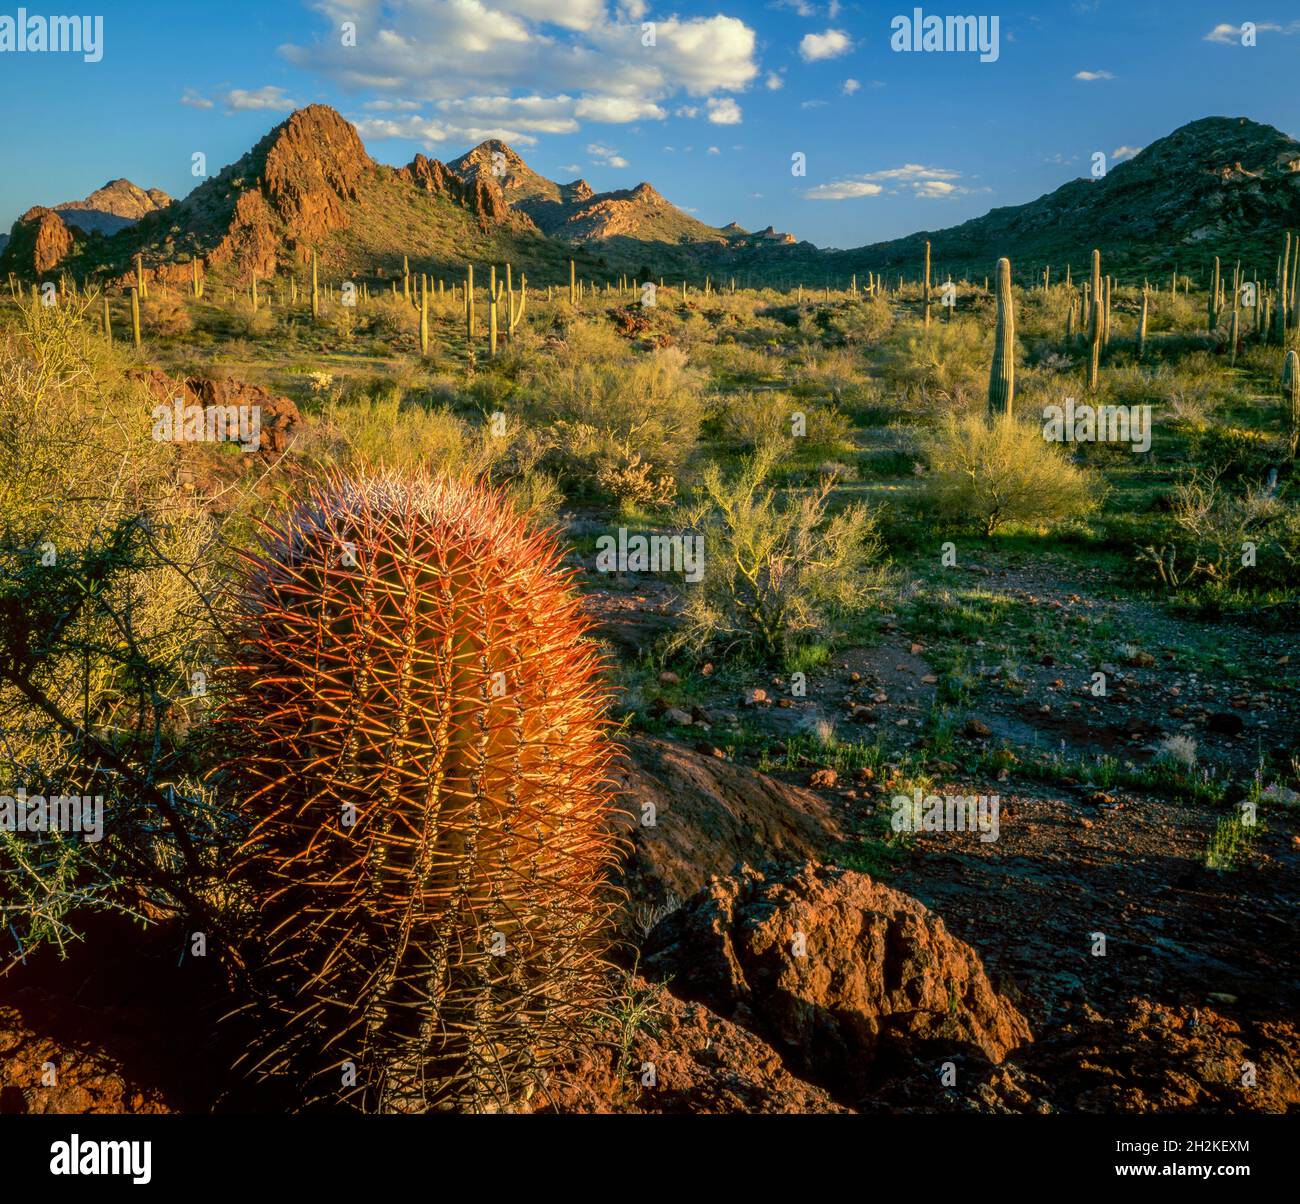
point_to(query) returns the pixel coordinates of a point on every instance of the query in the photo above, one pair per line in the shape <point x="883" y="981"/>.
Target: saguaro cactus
<point x="140" y="283"/>
<point x="573" y="287"/>
<point x="107" y="320"/>
<point x="135" y="317"/>
<point x="1095" y="329"/>
<point x="315" y="287"/>
<point x="469" y="304"/>
<point x="424" y="316"/>
<point x="1280" y="310"/>
<point x="1291" y="392"/>
<point x="926" y="293"/>
<point x="1213" y="314"/>
<point x="420" y="753"/>
<point x="1142" y="326"/>
<point x="1002" y="374"/>
<point x="515" y="316"/>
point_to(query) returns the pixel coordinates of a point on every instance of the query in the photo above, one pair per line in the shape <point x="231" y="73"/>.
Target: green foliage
<point x="993" y="474"/>
<point x="778" y="571"/>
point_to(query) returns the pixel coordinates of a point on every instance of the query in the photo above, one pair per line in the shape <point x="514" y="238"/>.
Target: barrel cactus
<point x="421" y="757"/>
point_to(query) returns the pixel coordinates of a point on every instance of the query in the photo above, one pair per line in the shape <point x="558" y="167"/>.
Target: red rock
<point x="835" y="969"/>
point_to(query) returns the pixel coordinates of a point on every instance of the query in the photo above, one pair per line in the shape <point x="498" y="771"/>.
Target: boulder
<point x="849" y="978"/>
<point x="710" y="816"/>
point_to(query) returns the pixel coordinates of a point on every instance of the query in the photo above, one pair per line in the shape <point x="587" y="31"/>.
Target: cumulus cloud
<point x="1225" y="34"/>
<point x="606" y="155"/>
<point x="191" y="98"/>
<point x="271" y="98"/>
<point x="829" y="45"/>
<point x="458" y="56"/>
<point x="912" y="179"/>
<point x="724" y="111"/>
<point x="774" y="82"/>
<point x="1089" y="77"/>
<point x="850" y="86"/>
<point x="843" y="190"/>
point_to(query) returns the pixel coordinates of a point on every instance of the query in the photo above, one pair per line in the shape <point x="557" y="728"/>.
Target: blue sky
<point x="711" y="113"/>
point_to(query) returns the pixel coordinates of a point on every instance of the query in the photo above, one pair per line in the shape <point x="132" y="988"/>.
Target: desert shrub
<point x="990" y="474"/>
<point x="252" y="323"/>
<point x="745" y="421"/>
<point x="944" y="368"/>
<point x="378" y="427"/>
<point x="778" y="572"/>
<point x="1210" y="527"/>
<point x="392" y="317"/>
<point x="862" y="322"/>
<point x="166" y="314"/>
<point x="109" y="604"/>
<point x="601" y="413"/>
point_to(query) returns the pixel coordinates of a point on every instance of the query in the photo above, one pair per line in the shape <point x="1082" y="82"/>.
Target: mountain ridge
<point x="1217" y="185"/>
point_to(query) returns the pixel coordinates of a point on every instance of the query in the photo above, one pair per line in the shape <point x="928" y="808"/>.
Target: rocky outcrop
<point x="114" y="207"/>
<point x="315" y="165"/>
<point x="686" y="1059"/>
<point x="710" y="816"/>
<point x="479" y="193"/>
<point x="38" y="243"/>
<point x="278" y="417"/>
<point x="844" y="975"/>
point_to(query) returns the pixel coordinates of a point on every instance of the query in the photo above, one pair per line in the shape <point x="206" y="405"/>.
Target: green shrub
<point x="992" y="474"/>
<point x="778" y="573"/>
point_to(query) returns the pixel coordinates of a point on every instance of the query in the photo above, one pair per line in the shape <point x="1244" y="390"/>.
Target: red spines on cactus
<point x="423" y="766"/>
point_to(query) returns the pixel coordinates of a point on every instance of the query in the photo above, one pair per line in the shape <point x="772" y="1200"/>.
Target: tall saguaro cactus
<point x="421" y="756"/>
<point x="1291" y="392"/>
<point x="926" y="286"/>
<point x="315" y="287"/>
<point x="1002" y="374"/>
<point x="1142" y="325"/>
<point x="135" y="317"/>
<point x="1213" y="309"/>
<point x="1280" y="306"/>
<point x="1097" y="322"/>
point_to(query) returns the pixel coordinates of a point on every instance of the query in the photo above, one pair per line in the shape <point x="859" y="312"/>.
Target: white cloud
<point x="393" y="106"/>
<point x="1089" y="77"/>
<point x="912" y="179"/>
<point x="463" y="57"/>
<point x="1230" y="35"/>
<point x="828" y="45"/>
<point x="724" y="111"/>
<point x="774" y="82"/>
<point x="606" y="155"/>
<point x="270" y="97"/>
<point x="1125" y="152"/>
<point x="850" y="86"/>
<point x="912" y="172"/>
<point x="843" y="190"/>
<point x="713" y="150"/>
<point x="618" y="110"/>
<point x="687" y="111"/>
<point x="569" y="14"/>
<point x="194" y="101"/>
<point x="812" y="104"/>
<point x="1225" y="35"/>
